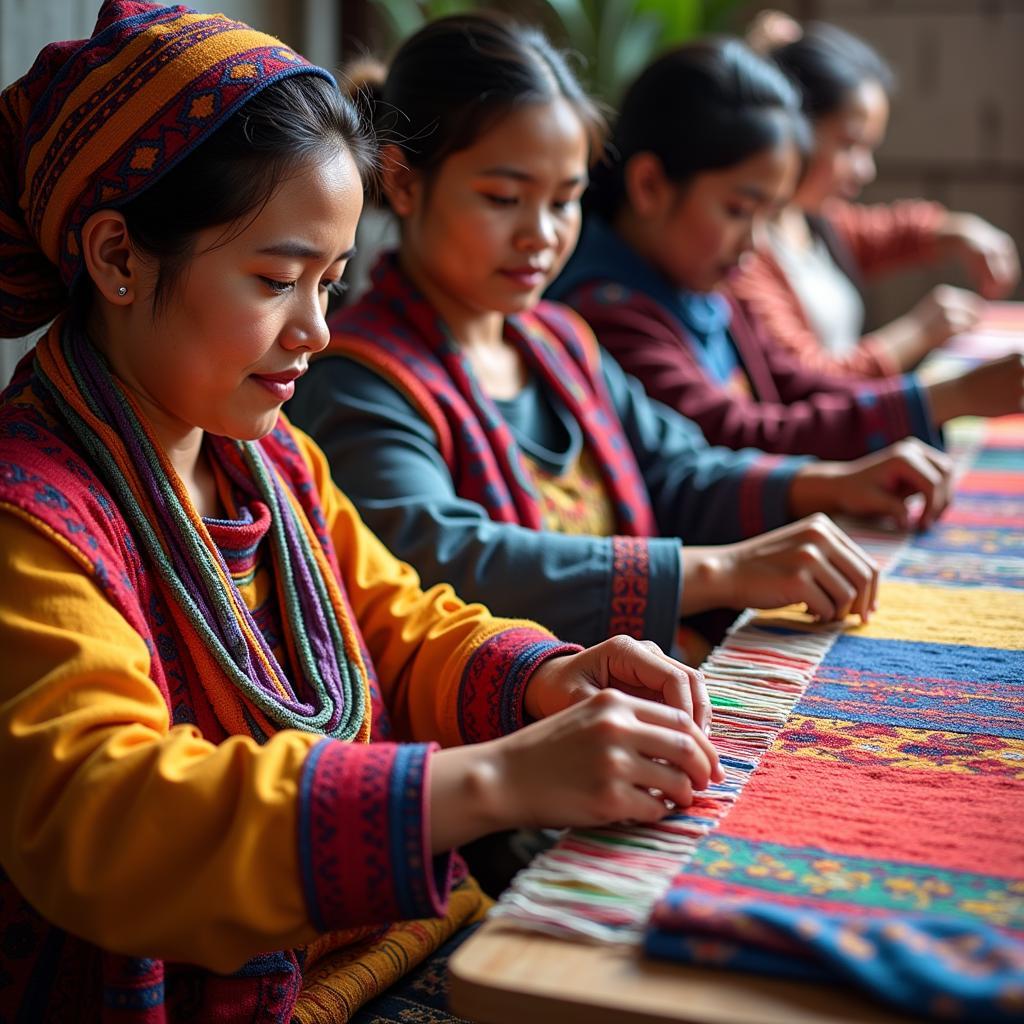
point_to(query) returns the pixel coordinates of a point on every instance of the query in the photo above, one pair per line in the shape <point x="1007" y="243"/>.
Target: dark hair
<point x="454" y="78"/>
<point x="236" y="170"/>
<point x="828" y="64"/>
<point x="701" y="107"/>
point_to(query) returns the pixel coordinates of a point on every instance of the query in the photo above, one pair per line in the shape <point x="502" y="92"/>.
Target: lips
<point x="280" y="385"/>
<point x="528" y="276"/>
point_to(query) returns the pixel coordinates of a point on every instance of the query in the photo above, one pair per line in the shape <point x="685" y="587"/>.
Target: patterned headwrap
<point x="95" y="122"/>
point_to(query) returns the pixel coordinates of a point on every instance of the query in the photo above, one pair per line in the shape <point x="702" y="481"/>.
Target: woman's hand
<point x="811" y="562"/>
<point x="879" y="484"/>
<point x="943" y="312"/>
<point x="946" y="311"/>
<point x="992" y="389"/>
<point x="988" y="254"/>
<point x="598" y="761"/>
<point x="636" y="667"/>
<point x="609" y="757"/>
<point x="622" y="733"/>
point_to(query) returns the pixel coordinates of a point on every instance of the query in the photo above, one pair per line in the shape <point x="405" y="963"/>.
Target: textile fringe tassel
<point x="601" y="883"/>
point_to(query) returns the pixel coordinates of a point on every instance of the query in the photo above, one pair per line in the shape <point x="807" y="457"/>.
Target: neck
<point x="636" y="232"/>
<point x="181" y="442"/>
<point x="471" y="328"/>
<point x="184" y="451"/>
<point x="792" y="223"/>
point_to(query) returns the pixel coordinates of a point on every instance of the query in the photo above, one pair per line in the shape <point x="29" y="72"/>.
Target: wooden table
<point x="508" y="976"/>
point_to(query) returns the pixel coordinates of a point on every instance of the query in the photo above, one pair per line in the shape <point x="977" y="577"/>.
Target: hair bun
<point x="771" y="30"/>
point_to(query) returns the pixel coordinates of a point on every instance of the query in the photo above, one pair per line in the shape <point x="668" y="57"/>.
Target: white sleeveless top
<point x="830" y="300"/>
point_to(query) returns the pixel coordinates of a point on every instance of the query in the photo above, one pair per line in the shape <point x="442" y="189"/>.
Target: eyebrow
<point x="515" y="173"/>
<point x="753" y="192"/>
<point x="301" y="251"/>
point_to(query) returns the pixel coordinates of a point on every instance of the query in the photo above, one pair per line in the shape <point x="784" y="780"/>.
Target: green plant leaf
<point x="404" y="17"/>
<point x="680" y="19"/>
<point x="576" y="20"/>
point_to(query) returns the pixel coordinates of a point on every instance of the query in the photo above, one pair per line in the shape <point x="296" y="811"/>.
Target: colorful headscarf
<point x="91" y="126"/>
<point x="95" y="122"/>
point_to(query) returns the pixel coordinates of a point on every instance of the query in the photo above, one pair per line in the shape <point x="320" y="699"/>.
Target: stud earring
<point x="122" y="290"/>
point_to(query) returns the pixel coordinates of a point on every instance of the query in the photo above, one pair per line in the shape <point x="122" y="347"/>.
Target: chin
<point x="249" y="429"/>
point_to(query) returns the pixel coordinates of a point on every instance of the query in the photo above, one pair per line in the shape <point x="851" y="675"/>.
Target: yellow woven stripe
<point x="979" y="617"/>
<point x="153" y="96"/>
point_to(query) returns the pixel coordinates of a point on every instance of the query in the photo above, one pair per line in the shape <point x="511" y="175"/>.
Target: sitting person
<point x="238" y="741"/>
<point x="803" y="281"/>
<point x="705" y="149"/>
<point x="487" y="439"/>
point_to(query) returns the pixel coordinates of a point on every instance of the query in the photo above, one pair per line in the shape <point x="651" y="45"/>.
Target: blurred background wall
<point x="957" y="132"/>
<point x="957" y="129"/>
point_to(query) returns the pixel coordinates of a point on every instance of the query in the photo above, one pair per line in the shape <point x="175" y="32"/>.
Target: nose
<point x="867" y="171"/>
<point x="307" y="326"/>
<point x="538" y="229"/>
<point x="754" y="228"/>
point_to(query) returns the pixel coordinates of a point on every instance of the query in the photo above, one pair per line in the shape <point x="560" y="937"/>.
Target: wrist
<point x="909" y="339"/>
<point x="467" y="796"/>
<point x="707" y="579"/>
<point x="813" y="490"/>
<point x="946" y="400"/>
<point x="540" y="696"/>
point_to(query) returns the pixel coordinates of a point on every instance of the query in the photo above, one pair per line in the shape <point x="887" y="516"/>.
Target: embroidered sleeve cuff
<point x="364" y="826"/>
<point x="922" y="420"/>
<point x="495" y="678"/>
<point x="764" y="493"/>
<point x="894" y="409"/>
<point x="661" y="616"/>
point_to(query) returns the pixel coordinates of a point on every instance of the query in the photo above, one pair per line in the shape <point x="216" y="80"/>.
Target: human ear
<point x="400" y="183"/>
<point x="109" y="258"/>
<point x="648" y="188"/>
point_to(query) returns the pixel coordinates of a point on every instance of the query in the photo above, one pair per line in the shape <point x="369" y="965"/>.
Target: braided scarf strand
<point x="113" y="431"/>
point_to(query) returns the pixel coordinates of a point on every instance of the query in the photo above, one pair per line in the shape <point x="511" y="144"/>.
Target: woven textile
<point x="874" y="780"/>
<point x="881" y="841"/>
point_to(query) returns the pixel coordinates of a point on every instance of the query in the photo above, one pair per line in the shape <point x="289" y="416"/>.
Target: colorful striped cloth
<point x="881" y="841"/>
<point x="882" y="836"/>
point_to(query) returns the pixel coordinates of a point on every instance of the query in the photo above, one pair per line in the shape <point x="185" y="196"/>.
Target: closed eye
<point x="277" y="287"/>
<point x="334" y="288"/>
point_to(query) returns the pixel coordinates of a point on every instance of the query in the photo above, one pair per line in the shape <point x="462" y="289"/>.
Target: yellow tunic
<point x="142" y="837"/>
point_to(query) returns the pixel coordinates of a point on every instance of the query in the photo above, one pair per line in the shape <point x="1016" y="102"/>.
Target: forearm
<point x="813" y="489"/>
<point x="465" y="795"/>
<point x="904" y="341"/>
<point x="951" y="398"/>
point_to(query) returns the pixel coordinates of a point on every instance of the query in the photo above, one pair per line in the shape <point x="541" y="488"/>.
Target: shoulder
<point x="759" y="272"/>
<point x="628" y="322"/>
<point x="571" y="330"/>
<point x="344" y="377"/>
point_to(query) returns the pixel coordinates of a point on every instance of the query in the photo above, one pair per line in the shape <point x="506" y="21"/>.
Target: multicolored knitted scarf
<point x="176" y="543"/>
<point x="397" y="333"/>
<point x="95" y="122"/>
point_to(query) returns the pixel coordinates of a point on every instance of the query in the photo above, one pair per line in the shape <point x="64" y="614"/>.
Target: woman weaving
<point x="488" y="439"/>
<point x="223" y="791"/>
